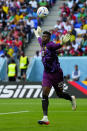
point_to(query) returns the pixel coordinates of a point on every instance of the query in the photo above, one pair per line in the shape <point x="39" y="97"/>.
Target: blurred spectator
<point x="23" y="64"/>
<point x="67" y="26"/>
<point x="84" y="41"/>
<point x="30" y="23"/>
<point x="5" y="32"/>
<point x="1" y="51"/>
<point x="8" y="41"/>
<point x="18" y="42"/>
<point x="43" y="3"/>
<point x="12" y="70"/>
<point x="2" y="14"/>
<point x="33" y="3"/>
<point x="73" y="31"/>
<point x="37" y="54"/>
<point x="67" y="77"/>
<point x="76" y="73"/>
<point x="65" y="9"/>
<point x="1" y="40"/>
<point x="70" y="4"/>
<point x="10" y="51"/>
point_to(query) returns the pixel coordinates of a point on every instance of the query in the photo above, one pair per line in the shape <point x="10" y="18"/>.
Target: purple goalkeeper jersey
<point x="49" y="56"/>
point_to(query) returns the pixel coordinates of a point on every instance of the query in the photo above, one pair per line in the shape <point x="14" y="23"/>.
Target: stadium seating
<point x="71" y="28"/>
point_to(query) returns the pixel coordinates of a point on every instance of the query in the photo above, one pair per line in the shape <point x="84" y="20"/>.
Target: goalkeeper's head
<point x="46" y="37"/>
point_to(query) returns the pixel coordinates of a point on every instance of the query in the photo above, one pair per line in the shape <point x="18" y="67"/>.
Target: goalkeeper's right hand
<point x="37" y="32"/>
<point x="39" y="29"/>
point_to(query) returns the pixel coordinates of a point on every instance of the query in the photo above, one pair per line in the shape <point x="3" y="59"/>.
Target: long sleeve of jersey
<point x="51" y="45"/>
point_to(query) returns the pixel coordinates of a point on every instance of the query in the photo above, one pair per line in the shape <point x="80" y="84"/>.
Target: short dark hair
<point x="37" y="52"/>
<point x="12" y="60"/>
<point x="47" y="32"/>
<point x="76" y="65"/>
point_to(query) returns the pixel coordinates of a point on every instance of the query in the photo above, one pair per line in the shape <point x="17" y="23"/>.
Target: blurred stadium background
<point x="67" y="22"/>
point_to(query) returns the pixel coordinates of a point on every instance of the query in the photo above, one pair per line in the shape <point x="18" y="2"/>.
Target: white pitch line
<point x="13" y="112"/>
<point x="68" y="111"/>
<point x="62" y="111"/>
<point x="40" y="111"/>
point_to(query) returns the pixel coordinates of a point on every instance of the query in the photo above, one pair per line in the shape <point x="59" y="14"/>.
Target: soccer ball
<point x="42" y="11"/>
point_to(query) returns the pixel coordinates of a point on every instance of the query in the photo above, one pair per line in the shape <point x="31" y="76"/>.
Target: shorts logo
<point x="60" y="84"/>
<point x="65" y="86"/>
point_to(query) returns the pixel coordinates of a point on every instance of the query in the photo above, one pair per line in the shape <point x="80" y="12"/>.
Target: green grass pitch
<point x="23" y="114"/>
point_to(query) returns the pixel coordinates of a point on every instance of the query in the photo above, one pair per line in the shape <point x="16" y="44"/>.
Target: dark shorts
<point x="12" y="78"/>
<point x="52" y="79"/>
<point x="23" y="71"/>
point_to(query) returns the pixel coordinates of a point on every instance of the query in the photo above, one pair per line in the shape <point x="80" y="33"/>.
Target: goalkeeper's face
<point x="45" y="38"/>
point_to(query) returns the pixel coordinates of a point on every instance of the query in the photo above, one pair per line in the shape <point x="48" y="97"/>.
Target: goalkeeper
<point x="52" y="75"/>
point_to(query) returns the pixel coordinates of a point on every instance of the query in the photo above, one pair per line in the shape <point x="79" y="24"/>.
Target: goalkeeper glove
<point x="39" y="29"/>
<point x="37" y="32"/>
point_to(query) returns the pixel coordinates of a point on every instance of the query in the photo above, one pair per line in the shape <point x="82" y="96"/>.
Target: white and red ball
<point x="42" y="11"/>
